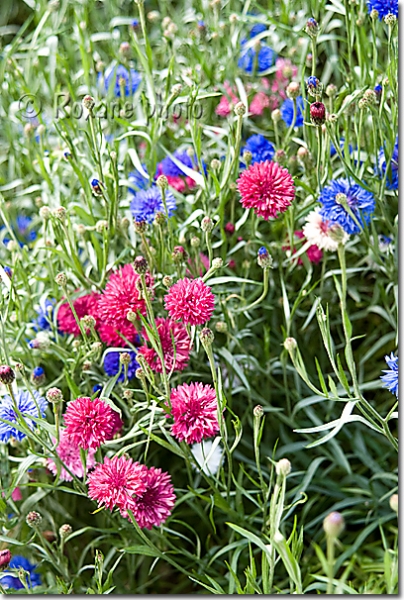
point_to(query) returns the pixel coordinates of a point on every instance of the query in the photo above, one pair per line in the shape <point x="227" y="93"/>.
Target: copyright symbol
<point x="30" y="105"/>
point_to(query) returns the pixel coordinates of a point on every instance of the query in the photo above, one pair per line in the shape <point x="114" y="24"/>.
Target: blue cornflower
<point x="112" y="365"/>
<point x="260" y="148"/>
<point x="11" y="581"/>
<point x="115" y="75"/>
<point x="383" y="7"/>
<point x="45" y="314"/>
<point x="170" y="169"/>
<point x="97" y="388"/>
<point x="333" y="150"/>
<point x="360" y="202"/>
<point x="8" y="271"/>
<point x="378" y="89"/>
<point x="249" y="60"/>
<point x="135" y="24"/>
<point x="262" y="251"/>
<point x="138" y="180"/>
<point x="287" y="111"/>
<point x="391" y="181"/>
<point x="23" y="230"/>
<point x="147" y="203"/>
<point x="390" y="379"/>
<point x="313" y="81"/>
<point x="27" y="407"/>
<point x="38" y="375"/>
<point x="257" y="29"/>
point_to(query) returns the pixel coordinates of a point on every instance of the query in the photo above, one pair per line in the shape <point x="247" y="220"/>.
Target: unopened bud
<point x="54" y="395"/>
<point x="263" y="258"/>
<point x="217" y="263"/>
<point x="7" y="375"/>
<point x="394" y="502"/>
<point x="207" y="224"/>
<point x="333" y="524"/>
<point x="221" y="327"/>
<point x="33" y="519"/>
<point x="88" y="103"/>
<point x="125" y="358"/>
<point x="290" y="344"/>
<point x="44" y="213"/>
<point x="140" y="265"/>
<point x="65" y="530"/>
<point x="258" y="411"/>
<point x="5" y="558"/>
<point x="167" y="281"/>
<point x="293" y="90"/>
<point x="215" y="164"/>
<point x="276" y="115"/>
<point x="207" y="336"/>
<point x="162" y="182"/>
<point x="283" y="467"/>
<point x="101" y="226"/>
<point x="140" y="226"/>
<point x="240" y="109"/>
<point x="61" y="279"/>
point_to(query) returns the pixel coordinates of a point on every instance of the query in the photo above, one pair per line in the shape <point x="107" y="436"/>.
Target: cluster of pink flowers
<point x="266" y="187"/>
<point x="313" y="252"/>
<point x="194" y="411"/>
<point x="129" y="486"/>
<point x="83" y="306"/>
<point x="180" y="183"/>
<point x="176" y="355"/>
<point x="285" y="73"/>
<point x="122" y="295"/>
<point x="258" y="104"/>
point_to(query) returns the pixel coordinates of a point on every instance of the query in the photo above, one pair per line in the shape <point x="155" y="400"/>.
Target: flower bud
<point x="290" y="344"/>
<point x="283" y="467"/>
<point x="317" y="113"/>
<point x="394" y="502"/>
<point x="33" y="519"/>
<point x="125" y="49"/>
<point x="258" y="411"/>
<point x="140" y="226"/>
<point x="281" y="157"/>
<point x="162" y="182"/>
<point x="38" y="376"/>
<point x="276" y="115"/>
<point x="207" y="336"/>
<point x="178" y="254"/>
<point x="61" y="279"/>
<point x="7" y="375"/>
<point x="65" y="530"/>
<point x="331" y="90"/>
<point x="390" y="20"/>
<point x="333" y="524"/>
<point x="88" y="103"/>
<point x="96" y="186"/>
<point x="54" y="395"/>
<point x="124" y="358"/>
<point x="101" y="226"/>
<point x="195" y="242"/>
<point x="215" y="164"/>
<point x="5" y="558"/>
<point x="312" y="28"/>
<point x="88" y="321"/>
<point x="221" y="327"/>
<point x="374" y="14"/>
<point x="263" y="258"/>
<point x="247" y="157"/>
<point x="217" y="263"/>
<point x="140" y="265"/>
<point x="293" y="90"/>
<point x="59" y="213"/>
<point x="167" y="281"/>
<point x="207" y="224"/>
<point x="240" y="109"/>
<point x="12" y="246"/>
<point x="81" y="229"/>
<point x="160" y="218"/>
<point x="44" y="213"/>
<point x="128" y="394"/>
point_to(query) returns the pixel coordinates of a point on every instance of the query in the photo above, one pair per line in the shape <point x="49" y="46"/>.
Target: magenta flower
<point x="175" y="356"/>
<point x="267" y="188"/>
<point x="69" y="453"/>
<point x="194" y="410"/>
<point x="115" y="483"/>
<point x="190" y="301"/>
<point x="153" y="506"/>
<point x="88" y="422"/>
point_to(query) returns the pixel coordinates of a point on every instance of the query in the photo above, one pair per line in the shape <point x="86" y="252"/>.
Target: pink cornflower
<point x="85" y="305"/>
<point x="194" y="410"/>
<point x="191" y="301"/>
<point x="69" y="453"/>
<point x="259" y="103"/>
<point x="267" y="188"/>
<point x="116" y="482"/>
<point x="225" y="106"/>
<point x="175" y="356"/>
<point x="89" y="422"/>
<point x="121" y="295"/>
<point x="177" y="183"/>
<point x="314" y="254"/>
<point x="16" y="494"/>
<point x="153" y="506"/>
<point x="285" y="72"/>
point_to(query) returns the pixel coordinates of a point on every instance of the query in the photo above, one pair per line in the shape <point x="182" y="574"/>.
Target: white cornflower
<point x="321" y="233"/>
<point x="208" y="455"/>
